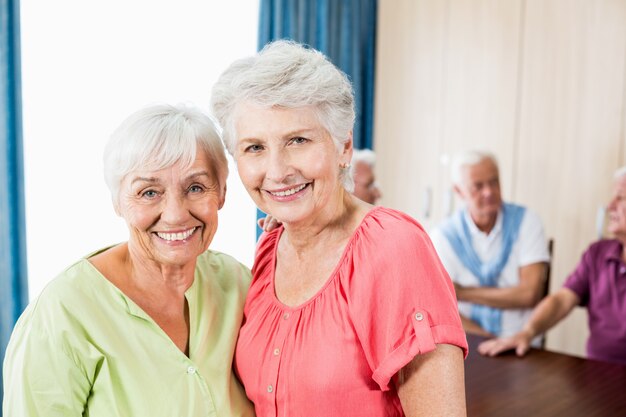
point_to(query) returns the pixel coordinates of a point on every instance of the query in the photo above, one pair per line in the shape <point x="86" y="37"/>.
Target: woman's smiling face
<point x="171" y="213"/>
<point x="288" y="161"/>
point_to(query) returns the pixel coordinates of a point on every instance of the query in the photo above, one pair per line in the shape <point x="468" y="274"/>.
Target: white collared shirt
<point x="529" y="248"/>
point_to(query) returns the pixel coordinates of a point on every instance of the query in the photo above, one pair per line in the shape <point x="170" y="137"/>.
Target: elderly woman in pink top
<point x="350" y="312"/>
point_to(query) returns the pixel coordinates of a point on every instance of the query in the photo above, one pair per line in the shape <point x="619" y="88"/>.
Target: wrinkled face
<point x="287" y="161"/>
<point x="480" y="189"/>
<point x="171" y="213"/>
<point x="365" y="186"/>
<point x="617" y="209"/>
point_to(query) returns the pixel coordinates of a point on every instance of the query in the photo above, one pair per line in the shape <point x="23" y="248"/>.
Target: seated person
<point x="365" y="185"/>
<point x="495" y="252"/>
<point x="598" y="283"/>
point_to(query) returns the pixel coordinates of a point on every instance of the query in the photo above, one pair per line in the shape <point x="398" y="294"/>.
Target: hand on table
<point x="520" y="342"/>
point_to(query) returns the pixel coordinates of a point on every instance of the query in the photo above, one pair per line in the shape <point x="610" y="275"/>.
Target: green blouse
<point x="83" y="348"/>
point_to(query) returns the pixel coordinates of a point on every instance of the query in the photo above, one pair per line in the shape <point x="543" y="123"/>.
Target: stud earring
<point x="345" y="165"/>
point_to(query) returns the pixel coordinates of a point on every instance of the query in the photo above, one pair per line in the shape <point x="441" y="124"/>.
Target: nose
<point x="174" y="210"/>
<point x="278" y="167"/>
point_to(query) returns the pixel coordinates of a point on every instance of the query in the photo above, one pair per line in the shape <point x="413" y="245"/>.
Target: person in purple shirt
<point x="598" y="283"/>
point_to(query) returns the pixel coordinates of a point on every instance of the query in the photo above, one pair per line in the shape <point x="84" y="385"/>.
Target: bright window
<point x="87" y="65"/>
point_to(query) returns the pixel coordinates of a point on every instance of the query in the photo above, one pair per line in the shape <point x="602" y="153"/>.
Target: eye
<point x="253" y="148"/>
<point x="149" y="194"/>
<point x="299" y="140"/>
<point x="195" y="189"/>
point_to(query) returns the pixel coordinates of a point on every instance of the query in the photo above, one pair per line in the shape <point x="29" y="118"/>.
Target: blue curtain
<point x="13" y="282"/>
<point x="345" y="31"/>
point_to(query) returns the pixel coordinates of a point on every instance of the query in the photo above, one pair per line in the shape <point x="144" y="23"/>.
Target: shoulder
<point x="605" y="244"/>
<point x="63" y="305"/>
<point x="223" y="268"/>
<point x="72" y="286"/>
<point x="531" y="227"/>
<point x="386" y="234"/>
<point x="266" y="251"/>
<point x="604" y="248"/>
<point x="383" y="221"/>
<point x="268" y="240"/>
<point x="531" y="218"/>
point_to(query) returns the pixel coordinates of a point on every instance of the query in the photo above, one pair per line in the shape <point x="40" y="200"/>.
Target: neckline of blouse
<point x="328" y="281"/>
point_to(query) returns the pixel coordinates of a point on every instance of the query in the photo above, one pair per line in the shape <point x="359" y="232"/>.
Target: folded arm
<point x="524" y="295"/>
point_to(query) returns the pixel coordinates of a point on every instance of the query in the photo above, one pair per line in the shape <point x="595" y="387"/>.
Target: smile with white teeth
<point x="288" y="192"/>
<point x="176" y="236"/>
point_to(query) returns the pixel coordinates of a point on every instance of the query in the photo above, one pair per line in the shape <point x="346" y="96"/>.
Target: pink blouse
<point x="388" y="300"/>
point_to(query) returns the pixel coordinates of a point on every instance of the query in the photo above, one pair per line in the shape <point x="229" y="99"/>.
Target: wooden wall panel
<point x="408" y="116"/>
<point x="570" y="125"/>
<point x="539" y="82"/>
<point x="481" y="81"/>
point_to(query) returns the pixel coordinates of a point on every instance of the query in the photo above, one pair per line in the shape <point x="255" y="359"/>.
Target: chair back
<point x="546" y="287"/>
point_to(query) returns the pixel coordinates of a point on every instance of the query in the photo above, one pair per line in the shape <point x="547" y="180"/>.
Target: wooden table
<point x="542" y="384"/>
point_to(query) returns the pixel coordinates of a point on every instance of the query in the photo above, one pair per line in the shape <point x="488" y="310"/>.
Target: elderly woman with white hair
<point x="350" y="312"/>
<point x="146" y="327"/>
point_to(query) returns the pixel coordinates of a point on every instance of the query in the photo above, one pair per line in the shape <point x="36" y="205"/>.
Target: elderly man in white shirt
<point x="495" y="252"/>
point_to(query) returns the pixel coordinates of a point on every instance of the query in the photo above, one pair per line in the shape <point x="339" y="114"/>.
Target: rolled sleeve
<point x="403" y="300"/>
<point x="424" y="339"/>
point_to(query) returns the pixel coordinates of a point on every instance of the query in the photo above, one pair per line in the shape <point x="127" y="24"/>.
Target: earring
<point x="345" y="165"/>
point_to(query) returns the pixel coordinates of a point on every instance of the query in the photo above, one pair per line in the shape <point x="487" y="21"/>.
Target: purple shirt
<point x="600" y="282"/>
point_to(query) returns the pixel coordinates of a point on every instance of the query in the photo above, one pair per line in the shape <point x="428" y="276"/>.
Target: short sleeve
<point x="533" y="247"/>
<point x="578" y="281"/>
<point x="44" y="379"/>
<point x="401" y="299"/>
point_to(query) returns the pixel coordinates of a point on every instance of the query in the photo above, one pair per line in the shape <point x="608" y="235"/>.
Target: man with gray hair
<point x="495" y="252"/>
<point x="365" y="185"/>
<point x="598" y="283"/>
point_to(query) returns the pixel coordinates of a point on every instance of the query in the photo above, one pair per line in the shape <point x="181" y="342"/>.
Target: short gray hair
<point x="367" y="156"/>
<point x="286" y="74"/>
<point x="468" y="158"/>
<point x="619" y="173"/>
<point x="158" y="137"/>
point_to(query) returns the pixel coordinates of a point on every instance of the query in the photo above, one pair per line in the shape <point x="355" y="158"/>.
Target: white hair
<point x="468" y="158"/>
<point x="287" y="74"/>
<point x="158" y="137"/>
<point x="619" y="173"/>
<point x="367" y="156"/>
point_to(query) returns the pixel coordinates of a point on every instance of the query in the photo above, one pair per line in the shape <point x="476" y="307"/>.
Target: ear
<point x="346" y="152"/>
<point x="223" y="198"/>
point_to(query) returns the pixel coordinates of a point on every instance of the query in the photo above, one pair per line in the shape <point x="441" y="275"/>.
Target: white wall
<point x="85" y="67"/>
